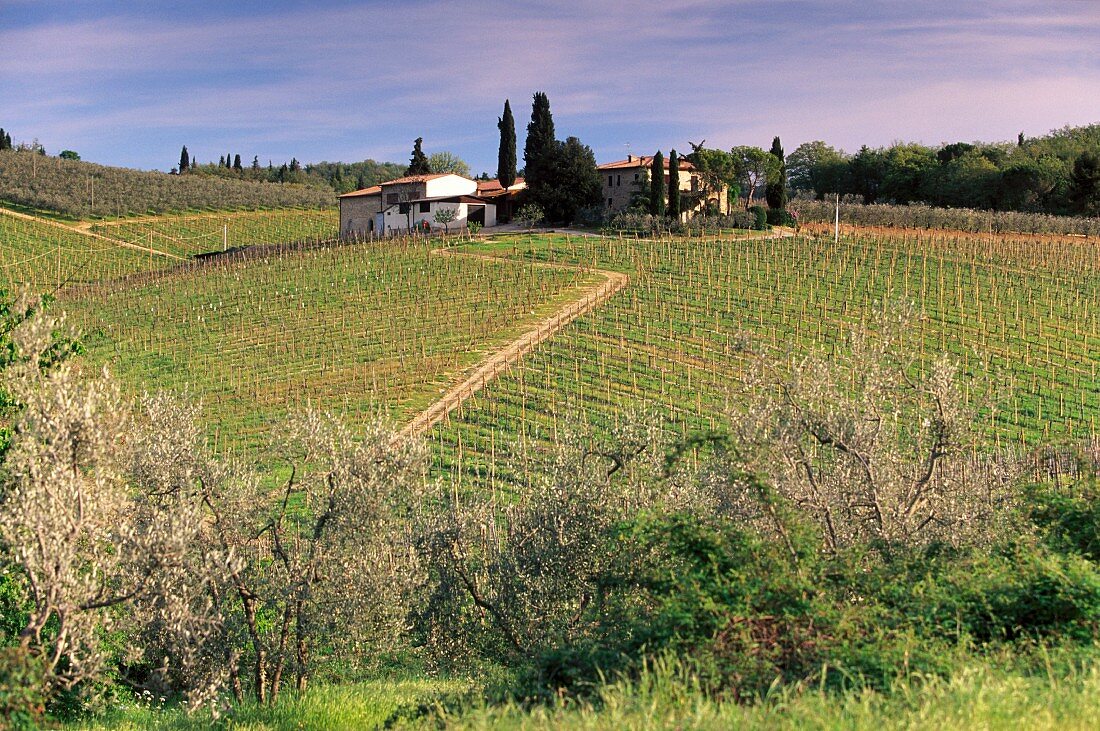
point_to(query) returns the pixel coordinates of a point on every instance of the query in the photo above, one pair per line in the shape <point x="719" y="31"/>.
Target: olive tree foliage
<point x="324" y="562"/>
<point x="115" y="517"/>
<point x="88" y="549"/>
<point x="516" y="580"/>
<point x="875" y="450"/>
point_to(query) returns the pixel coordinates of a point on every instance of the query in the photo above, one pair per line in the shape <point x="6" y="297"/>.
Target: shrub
<point x="780" y="217"/>
<point x="22" y="690"/>
<point x="760" y="218"/>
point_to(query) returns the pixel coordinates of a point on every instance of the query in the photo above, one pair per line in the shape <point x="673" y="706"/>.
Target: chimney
<point x="629" y="157"/>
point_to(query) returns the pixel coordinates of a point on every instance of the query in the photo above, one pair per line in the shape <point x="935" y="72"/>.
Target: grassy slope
<point x="352" y="329"/>
<point x="1023" y="311"/>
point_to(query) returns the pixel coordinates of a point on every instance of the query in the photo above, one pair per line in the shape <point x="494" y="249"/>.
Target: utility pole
<point x="836" y="225"/>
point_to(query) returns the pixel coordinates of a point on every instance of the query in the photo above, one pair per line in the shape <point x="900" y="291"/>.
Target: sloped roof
<point x="373" y="190"/>
<point x="417" y="178"/>
<point x="491" y="188"/>
<point x="639" y="162"/>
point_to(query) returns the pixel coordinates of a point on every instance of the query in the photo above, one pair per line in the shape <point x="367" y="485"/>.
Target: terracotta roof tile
<point x="373" y="190"/>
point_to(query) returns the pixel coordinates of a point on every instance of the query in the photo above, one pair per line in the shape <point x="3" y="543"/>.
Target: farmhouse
<point x="622" y="179"/>
<point x="411" y="203"/>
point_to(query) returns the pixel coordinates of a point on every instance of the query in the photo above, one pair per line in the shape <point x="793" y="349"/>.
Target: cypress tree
<point x="237" y="163"/>
<point x="506" y="155"/>
<point x="5" y="141"/>
<point x="255" y="162"/>
<point x="541" y="144"/>
<point x="418" y="163"/>
<point x="221" y="161"/>
<point x="673" y="186"/>
<point x="185" y="160"/>
<point x="776" y="190"/>
<point x="657" y="186"/>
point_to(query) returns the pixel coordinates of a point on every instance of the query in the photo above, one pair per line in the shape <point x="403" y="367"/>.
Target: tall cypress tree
<point x="237" y="163"/>
<point x="776" y="190"/>
<point x="185" y="160"/>
<point x="5" y="141"/>
<point x="673" y="186"/>
<point x="506" y="155"/>
<point x="657" y="185"/>
<point x="541" y="144"/>
<point x="418" y="163"/>
<point x="221" y="161"/>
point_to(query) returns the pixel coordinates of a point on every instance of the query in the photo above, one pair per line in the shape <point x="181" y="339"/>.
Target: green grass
<point x="665" y="697"/>
<point x="190" y="234"/>
<point x="363" y="706"/>
<point x="355" y="329"/>
<point x="1010" y="311"/>
<point x="977" y="698"/>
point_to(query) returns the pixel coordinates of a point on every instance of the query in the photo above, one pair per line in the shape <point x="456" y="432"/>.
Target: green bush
<point x="780" y="217"/>
<point x="22" y="690"/>
<point x="760" y="218"/>
<point x="1068" y="520"/>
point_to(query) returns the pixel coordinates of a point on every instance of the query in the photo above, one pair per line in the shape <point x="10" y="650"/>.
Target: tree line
<point x="1058" y="173"/>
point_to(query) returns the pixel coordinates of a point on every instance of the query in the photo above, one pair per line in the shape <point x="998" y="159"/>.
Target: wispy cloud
<point x="347" y="80"/>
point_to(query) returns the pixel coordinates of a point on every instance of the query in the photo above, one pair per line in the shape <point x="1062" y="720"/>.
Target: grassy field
<point x="355" y="329"/>
<point x="1018" y="313"/>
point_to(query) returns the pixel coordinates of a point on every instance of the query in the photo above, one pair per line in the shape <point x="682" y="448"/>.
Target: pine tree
<point x="657" y="186"/>
<point x="221" y="161"/>
<point x="5" y="140"/>
<point x="673" y="186"/>
<point x="185" y="160"/>
<point x="237" y="163"/>
<point x="418" y="163"/>
<point x="539" y="149"/>
<point x="295" y="166"/>
<point x="775" y="192"/>
<point x="506" y="155"/>
<point x="255" y="162"/>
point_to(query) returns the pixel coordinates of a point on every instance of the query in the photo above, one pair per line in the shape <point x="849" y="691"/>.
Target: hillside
<point x="80" y="189"/>
<point x="1015" y="310"/>
<point x="354" y="329"/>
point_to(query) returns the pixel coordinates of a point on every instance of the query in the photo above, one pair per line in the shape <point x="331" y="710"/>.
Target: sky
<point x="130" y="82"/>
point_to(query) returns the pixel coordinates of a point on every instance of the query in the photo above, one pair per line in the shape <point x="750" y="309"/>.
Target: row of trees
<point x="1058" y="174"/>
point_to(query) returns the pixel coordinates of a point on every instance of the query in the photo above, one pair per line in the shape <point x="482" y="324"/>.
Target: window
<point x="610" y="202"/>
<point x="391" y="198"/>
<point x="425" y="207"/>
<point x="609" y="179"/>
<point x="635" y="177"/>
<point x="403" y="208"/>
<point x="694" y="184"/>
<point x="619" y="180"/>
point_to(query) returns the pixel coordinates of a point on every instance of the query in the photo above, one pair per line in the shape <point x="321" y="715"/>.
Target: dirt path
<point x="590" y="297"/>
<point x="84" y="229"/>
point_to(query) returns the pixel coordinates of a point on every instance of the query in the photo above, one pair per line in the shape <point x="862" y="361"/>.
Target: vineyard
<point x="354" y="329"/>
<point x="1021" y="317"/>
<point x="188" y="235"/>
<point x="45" y="256"/>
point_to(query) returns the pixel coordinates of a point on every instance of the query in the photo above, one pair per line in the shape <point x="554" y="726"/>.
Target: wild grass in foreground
<point x="665" y="697"/>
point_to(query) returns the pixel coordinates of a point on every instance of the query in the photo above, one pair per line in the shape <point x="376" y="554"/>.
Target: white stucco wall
<point x="395" y="222"/>
<point x="449" y="185"/>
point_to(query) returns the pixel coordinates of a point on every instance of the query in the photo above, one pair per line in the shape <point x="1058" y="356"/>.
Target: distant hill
<point x="82" y="189"/>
